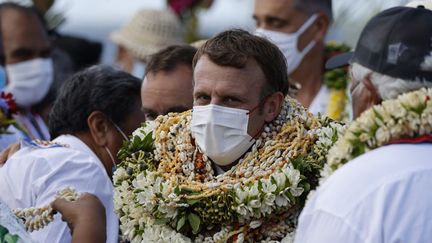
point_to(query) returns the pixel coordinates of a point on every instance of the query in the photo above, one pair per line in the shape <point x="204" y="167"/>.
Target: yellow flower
<point x="337" y="103"/>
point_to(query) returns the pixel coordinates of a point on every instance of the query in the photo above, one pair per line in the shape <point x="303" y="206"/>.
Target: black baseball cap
<point x="397" y="42"/>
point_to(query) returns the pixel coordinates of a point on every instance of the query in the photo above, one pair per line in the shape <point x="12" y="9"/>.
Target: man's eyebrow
<point x="22" y="51"/>
<point x="198" y="93"/>
<point x="275" y="18"/>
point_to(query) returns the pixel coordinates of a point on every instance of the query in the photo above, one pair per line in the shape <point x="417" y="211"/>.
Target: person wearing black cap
<point x="382" y="163"/>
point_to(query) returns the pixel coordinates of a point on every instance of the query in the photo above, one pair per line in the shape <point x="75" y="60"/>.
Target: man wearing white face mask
<point x="235" y="97"/>
<point x="243" y="140"/>
<point x="29" y="70"/>
<point x="298" y="28"/>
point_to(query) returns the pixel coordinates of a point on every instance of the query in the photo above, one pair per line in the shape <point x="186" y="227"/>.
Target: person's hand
<point x="8" y="152"/>
<point x="85" y="217"/>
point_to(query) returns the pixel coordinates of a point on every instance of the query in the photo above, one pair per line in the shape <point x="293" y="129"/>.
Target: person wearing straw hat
<point x="146" y="33"/>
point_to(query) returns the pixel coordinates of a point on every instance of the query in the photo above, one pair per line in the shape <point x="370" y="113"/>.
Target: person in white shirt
<point x="298" y="28"/>
<point x="381" y="194"/>
<point x="94" y="111"/>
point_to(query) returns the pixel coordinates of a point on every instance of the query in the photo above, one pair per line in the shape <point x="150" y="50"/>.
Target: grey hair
<point x="386" y="86"/>
<point x="314" y="6"/>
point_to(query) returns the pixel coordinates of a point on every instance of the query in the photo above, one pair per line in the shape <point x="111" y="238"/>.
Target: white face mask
<point x="288" y="43"/>
<point x="29" y="81"/>
<point x="114" y="164"/>
<point x="221" y="132"/>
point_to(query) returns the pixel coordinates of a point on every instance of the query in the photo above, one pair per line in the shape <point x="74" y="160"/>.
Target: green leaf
<point x="161" y="221"/>
<point x="3" y="232"/>
<point x="193" y="201"/>
<point x="10" y="238"/>
<point x="177" y="190"/>
<point x="181" y="222"/>
<point x="195" y="222"/>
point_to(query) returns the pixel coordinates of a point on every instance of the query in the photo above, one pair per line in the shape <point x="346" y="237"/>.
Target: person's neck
<point x="309" y="76"/>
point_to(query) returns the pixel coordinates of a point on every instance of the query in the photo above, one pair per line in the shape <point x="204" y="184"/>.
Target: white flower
<point x="142" y="131"/>
<point x="269" y="199"/>
<point x="268" y="186"/>
<point x="293" y="176"/>
<point x="280" y="179"/>
<point x="254" y="203"/>
<point x="147" y="199"/>
<point x="253" y="191"/>
<point x="382" y="135"/>
<point x="255" y="224"/>
<point x="240" y="238"/>
<point x="282" y="200"/>
<point x="243" y="210"/>
<point x="296" y="191"/>
<point x="170" y="211"/>
<point x="120" y="174"/>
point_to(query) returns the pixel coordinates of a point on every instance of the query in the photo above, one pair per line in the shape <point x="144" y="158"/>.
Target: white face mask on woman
<point x="221" y="132"/>
<point x="29" y="81"/>
<point x="288" y="43"/>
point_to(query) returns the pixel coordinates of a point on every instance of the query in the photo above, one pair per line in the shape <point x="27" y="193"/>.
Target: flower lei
<point x="8" y="108"/>
<point x="408" y="116"/>
<point x="337" y="81"/>
<point x="166" y="189"/>
<point x="38" y="218"/>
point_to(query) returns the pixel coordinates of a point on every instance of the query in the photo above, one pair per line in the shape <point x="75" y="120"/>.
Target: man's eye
<point x="203" y="97"/>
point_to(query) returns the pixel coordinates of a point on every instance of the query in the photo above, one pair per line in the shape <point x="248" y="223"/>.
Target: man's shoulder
<point x="379" y="171"/>
<point x="47" y="156"/>
<point x="49" y="150"/>
<point x="392" y="178"/>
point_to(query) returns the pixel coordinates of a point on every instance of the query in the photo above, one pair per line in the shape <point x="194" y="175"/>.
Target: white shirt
<point x="14" y="137"/>
<point x="320" y="102"/>
<point x="34" y="124"/>
<point x="381" y="196"/>
<point x="33" y="176"/>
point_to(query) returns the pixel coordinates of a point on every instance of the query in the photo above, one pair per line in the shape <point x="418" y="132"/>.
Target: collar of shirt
<point x="77" y="144"/>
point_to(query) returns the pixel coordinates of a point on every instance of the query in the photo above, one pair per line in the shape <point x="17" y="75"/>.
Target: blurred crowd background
<point x="95" y="20"/>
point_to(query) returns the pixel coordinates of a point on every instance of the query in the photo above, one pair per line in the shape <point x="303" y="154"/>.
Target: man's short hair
<point x="233" y="48"/>
<point x="98" y="88"/>
<point x="313" y="6"/>
<point x="170" y="58"/>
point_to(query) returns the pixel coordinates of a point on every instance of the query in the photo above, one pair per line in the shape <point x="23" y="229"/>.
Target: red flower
<point x="8" y="98"/>
<point x="179" y="6"/>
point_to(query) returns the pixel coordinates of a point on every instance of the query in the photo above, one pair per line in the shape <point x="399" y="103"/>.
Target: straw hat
<point x="148" y="32"/>
<point x="197" y="44"/>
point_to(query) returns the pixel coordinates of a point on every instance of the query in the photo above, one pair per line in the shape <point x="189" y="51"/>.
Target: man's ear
<point x="273" y="106"/>
<point x="322" y="24"/>
<point x="374" y="96"/>
<point x="98" y="126"/>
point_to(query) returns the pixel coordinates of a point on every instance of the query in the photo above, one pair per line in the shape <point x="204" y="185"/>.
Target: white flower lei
<point x="164" y="191"/>
<point x="408" y="116"/>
